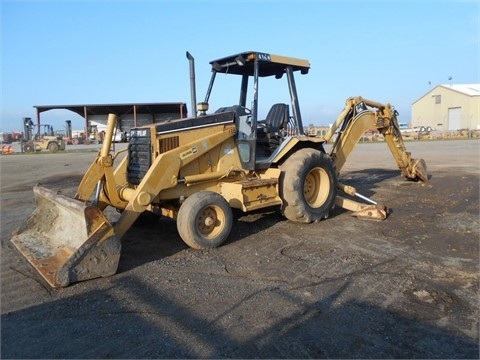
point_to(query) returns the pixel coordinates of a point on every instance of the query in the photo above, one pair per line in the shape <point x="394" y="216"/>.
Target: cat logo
<point x="188" y="153"/>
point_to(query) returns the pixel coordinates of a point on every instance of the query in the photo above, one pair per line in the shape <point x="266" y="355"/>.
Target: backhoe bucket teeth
<point x="67" y="240"/>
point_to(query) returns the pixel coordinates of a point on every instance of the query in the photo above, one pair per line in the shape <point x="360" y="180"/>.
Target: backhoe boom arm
<point x="356" y="118"/>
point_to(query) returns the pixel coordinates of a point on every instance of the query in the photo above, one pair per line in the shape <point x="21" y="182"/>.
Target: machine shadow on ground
<point x="112" y="326"/>
<point x="153" y="237"/>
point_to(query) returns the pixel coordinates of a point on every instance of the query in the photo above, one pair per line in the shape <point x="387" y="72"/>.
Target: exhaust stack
<point x="193" y="94"/>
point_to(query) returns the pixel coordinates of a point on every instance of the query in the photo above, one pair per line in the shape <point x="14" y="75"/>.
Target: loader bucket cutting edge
<point x="67" y="241"/>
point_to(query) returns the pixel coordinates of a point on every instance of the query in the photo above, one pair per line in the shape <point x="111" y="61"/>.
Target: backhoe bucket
<point x="67" y="240"/>
<point x="418" y="167"/>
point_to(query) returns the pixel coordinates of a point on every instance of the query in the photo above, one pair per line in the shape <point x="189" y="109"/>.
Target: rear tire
<point x="308" y="186"/>
<point x="204" y="220"/>
<point x="53" y="147"/>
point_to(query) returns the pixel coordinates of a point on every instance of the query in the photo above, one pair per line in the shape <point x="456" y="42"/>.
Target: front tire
<point x="204" y="220"/>
<point x="308" y="186"/>
<point x="28" y="147"/>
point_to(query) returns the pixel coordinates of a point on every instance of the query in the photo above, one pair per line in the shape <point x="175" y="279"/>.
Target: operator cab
<point x="259" y="139"/>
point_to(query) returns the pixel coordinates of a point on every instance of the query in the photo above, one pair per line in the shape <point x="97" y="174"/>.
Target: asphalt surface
<point x="406" y="287"/>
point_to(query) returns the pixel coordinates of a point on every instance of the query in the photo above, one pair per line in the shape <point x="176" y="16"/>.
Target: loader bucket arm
<point x="101" y="170"/>
<point x="356" y="119"/>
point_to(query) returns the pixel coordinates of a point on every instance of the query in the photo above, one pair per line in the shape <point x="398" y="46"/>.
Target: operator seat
<point x="277" y="117"/>
<point x="270" y="131"/>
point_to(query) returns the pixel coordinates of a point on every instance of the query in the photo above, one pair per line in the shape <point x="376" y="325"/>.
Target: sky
<point x="107" y="52"/>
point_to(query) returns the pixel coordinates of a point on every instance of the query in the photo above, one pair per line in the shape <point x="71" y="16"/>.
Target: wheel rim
<point x="210" y="221"/>
<point x="316" y="187"/>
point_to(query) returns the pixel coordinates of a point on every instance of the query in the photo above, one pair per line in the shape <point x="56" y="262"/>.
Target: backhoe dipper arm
<point x="356" y="119"/>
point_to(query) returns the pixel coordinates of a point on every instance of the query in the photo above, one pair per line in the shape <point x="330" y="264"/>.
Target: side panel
<point x="253" y="194"/>
<point x="148" y="143"/>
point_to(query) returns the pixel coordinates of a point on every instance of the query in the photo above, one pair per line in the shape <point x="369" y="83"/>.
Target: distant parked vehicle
<point x="423" y="129"/>
<point x="405" y="128"/>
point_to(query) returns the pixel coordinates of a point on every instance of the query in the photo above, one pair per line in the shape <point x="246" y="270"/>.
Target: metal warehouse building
<point x="130" y="115"/>
<point x="449" y="107"/>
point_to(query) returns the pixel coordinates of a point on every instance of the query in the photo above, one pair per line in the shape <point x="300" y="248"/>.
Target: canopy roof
<point x="271" y="65"/>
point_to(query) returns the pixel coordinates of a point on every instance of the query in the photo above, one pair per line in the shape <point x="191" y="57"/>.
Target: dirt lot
<point x="406" y="287"/>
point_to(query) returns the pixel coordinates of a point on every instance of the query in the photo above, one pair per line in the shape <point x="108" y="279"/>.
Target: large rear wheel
<point x="204" y="220"/>
<point x="53" y="147"/>
<point x="308" y="186"/>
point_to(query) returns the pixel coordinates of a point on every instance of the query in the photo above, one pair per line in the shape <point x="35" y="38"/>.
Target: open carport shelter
<point x="129" y="115"/>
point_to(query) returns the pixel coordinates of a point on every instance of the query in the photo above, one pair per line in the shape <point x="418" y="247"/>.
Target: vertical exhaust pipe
<point x="193" y="94"/>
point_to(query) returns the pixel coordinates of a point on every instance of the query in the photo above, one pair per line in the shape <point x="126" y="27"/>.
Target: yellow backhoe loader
<point x="196" y="169"/>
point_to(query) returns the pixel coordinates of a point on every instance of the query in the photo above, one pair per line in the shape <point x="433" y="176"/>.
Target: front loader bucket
<point x="67" y="240"/>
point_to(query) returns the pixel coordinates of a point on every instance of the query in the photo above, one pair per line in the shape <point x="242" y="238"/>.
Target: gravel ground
<point x="406" y="287"/>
